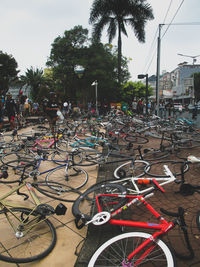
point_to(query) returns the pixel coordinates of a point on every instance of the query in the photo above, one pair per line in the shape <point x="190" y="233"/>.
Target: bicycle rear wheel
<point x="24" y="236"/>
<point x="115" y="251"/>
<point x="86" y="206"/>
<point x="74" y="177"/>
<point x="136" y="139"/>
<point x="57" y="191"/>
<point x="156" y="169"/>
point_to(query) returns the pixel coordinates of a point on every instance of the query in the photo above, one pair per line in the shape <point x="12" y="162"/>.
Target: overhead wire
<point x="152" y="49"/>
<point x="172" y="19"/>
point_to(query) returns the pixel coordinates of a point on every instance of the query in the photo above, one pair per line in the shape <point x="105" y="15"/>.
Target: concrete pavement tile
<point x="63" y="253"/>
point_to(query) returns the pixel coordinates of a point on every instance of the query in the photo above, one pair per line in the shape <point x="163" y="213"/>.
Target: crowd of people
<point x="53" y="108"/>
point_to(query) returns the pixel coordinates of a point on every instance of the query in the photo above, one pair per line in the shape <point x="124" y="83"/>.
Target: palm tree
<point x="117" y="14"/>
<point x="35" y="80"/>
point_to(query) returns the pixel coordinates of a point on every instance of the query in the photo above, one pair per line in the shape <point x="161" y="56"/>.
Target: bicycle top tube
<point x="133" y="199"/>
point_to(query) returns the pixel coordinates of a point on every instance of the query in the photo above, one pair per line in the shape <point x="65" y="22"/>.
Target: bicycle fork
<point x="152" y="241"/>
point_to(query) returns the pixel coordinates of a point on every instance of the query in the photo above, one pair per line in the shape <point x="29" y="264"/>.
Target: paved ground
<point x="170" y="200"/>
<point x="69" y="237"/>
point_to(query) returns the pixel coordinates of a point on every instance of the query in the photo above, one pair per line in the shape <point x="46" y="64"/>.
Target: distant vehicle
<point x="190" y="106"/>
<point x="178" y="107"/>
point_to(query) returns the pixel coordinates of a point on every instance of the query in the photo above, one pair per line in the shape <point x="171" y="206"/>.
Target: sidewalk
<point x="68" y="237"/>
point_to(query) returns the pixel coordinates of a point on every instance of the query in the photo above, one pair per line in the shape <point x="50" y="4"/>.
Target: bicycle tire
<point x="90" y="157"/>
<point x="14" y="170"/>
<point x="60" y="158"/>
<point x="115" y="251"/>
<point x="154" y="169"/>
<point x="155" y="155"/>
<point x="136" y="139"/>
<point x="7" y="138"/>
<point x="85" y="205"/>
<point x="17" y="247"/>
<point x="57" y="191"/>
<point x="76" y="177"/>
<point x="131" y="169"/>
<point x="15" y="156"/>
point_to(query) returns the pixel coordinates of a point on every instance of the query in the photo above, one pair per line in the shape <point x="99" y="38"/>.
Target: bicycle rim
<point x="114" y="252"/>
<point x="74" y="178"/>
<point x="156" y="169"/>
<point x="131" y="169"/>
<point x="57" y="191"/>
<point x="86" y="206"/>
<point x="32" y="243"/>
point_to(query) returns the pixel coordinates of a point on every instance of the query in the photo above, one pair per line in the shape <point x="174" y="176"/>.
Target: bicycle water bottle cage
<point x="60" y="209"/>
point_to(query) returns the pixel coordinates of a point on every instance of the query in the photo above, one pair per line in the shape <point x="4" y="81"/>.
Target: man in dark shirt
<point x="51" y="110"/>
<point x="11" y="108"/>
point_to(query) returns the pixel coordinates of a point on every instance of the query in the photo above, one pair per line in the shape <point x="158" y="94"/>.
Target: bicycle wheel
<point x="136" y="139"/>
<point x="131" y="169"/>
<point x="63" y="146"/>
<point x="8" y="138"/>
<point x="115" y="251"/>
<point x="90" y="157"/>
<point x="198" y="219"/>
<point x="156" y="169"/>
<point x="73" y="177"/>
<point x="59" y="157"/>
<point x="25" y="235"/>
<point x="16" y="156"/>
<point x="86" y="206"/>
<point x="57" y="191"/>
<point x="157" y="154"/>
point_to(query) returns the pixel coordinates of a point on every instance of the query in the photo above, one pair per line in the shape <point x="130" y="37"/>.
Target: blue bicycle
<point x="69" y="176"/>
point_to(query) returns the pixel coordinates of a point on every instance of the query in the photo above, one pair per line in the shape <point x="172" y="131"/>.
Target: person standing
<point x="21" y="99"/>
<point x="11" y="108"/>
<point x="51" y="110"/>
<point x="1" y="113"/>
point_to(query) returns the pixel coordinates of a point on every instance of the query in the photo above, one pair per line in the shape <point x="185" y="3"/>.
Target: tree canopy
<point x="98" y="61"/>
<point x="8" y="71"/>
<point x="116" y="14"/>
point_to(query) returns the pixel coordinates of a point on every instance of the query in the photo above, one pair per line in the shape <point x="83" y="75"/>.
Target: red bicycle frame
<point x="162" y="227"/>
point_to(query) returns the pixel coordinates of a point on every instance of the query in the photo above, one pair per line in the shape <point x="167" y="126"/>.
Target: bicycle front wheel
<point x="24" y="236"/>
<point x="85" y="206"/>
<point x="131" y="169"/>
<point x="73" y="177"/>
<point x="115" y="251"/>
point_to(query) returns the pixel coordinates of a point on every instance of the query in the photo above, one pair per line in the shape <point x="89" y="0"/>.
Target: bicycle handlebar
<point x="181" y="222"/>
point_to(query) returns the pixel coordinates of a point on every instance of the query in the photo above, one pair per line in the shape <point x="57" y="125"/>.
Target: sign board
<point x="188" y="82"/>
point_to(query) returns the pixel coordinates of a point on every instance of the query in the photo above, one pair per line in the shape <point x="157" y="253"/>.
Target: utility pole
<point x="158" y="72"/>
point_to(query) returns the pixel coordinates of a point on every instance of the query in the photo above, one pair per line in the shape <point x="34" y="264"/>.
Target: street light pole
<point x="193" y="57"/>
<point x="142" y="76"/>
<point x="95" y="83"/>
<point x="79" y="70"/>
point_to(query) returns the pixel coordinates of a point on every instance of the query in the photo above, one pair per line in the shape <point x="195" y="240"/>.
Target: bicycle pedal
<point x="60" y="209"/>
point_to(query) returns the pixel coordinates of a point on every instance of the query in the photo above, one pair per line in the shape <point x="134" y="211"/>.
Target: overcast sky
<point x="29" y="27"/>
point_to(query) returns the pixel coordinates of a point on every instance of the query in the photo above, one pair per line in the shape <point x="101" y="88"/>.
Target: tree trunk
<point x="119" y="53"/>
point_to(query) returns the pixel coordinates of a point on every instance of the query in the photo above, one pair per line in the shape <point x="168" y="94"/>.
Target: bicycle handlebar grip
<point x="158" y="186"/>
